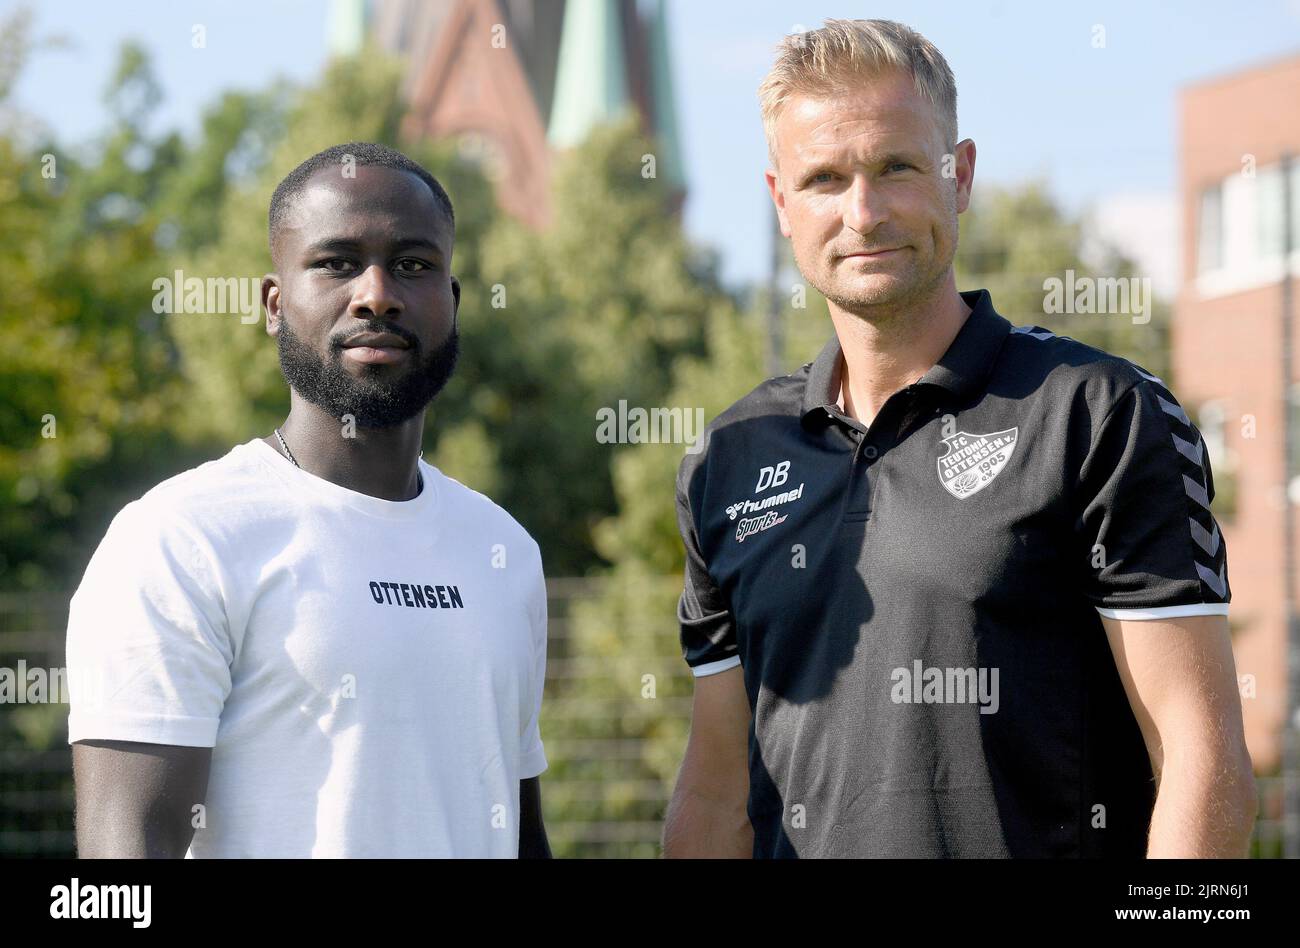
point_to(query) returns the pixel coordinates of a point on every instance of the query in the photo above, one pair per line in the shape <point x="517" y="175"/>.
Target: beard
<point x="376" y="399"/>
<point x="892" y="289"/>
<point x="904" y="282"/>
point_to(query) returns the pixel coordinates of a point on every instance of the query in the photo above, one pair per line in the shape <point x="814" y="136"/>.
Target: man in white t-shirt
<point x="319" y="644"/>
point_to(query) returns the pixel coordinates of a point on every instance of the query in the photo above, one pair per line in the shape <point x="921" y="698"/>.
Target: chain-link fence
<point x="601" y="798"/>
<point x="614" y="722"/>
<point x="35" y="760"/>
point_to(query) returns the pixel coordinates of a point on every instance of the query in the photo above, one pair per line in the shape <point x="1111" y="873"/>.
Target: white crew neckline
<point x="335" y="495"/>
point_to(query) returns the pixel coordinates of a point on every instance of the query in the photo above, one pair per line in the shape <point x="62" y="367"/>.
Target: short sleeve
<point x="708" y="633"/>
<point x="532" y="755"/>
<point x="148" y="645"/>
<point x="1154" y="550"/>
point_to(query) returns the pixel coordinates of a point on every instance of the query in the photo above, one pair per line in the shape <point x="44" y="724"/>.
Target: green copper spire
<point x="591" y="85"/>
<point x="670" y="166"/>
<point x="346" y="26"/>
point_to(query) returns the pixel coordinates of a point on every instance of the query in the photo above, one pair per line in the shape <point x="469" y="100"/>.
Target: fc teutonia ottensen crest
<point x="973" y="460"/>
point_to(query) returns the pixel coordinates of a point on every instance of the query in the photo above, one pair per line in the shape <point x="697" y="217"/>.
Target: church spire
<point x="591" y="85"/>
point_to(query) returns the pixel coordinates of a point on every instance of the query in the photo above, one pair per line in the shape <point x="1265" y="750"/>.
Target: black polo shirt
<point x="915" y="604"/>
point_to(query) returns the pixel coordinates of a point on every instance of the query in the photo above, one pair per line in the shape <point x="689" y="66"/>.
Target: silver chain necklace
<point x="287" y="452"/>
<point x="289" y="455"/>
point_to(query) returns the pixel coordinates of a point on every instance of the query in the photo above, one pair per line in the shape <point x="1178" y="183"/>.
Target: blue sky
<point x="1099" y="125"/>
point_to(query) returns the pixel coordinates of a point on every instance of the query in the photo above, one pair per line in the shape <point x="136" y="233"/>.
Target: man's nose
<point x="375" y="295"/>
<point x="864" y="206"/>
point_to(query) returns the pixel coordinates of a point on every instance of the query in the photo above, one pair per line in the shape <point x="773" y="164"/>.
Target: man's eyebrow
<point x="423" y="243"/>
<point x="349" y="245"/>
<point x="819" y="162"/>
<point x="906" y="157"/>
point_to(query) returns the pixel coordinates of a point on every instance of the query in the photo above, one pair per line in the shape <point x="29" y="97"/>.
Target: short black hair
<point x="361" y="153"/>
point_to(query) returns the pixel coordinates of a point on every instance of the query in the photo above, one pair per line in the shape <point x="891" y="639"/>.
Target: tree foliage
<point x="104" y="397"/>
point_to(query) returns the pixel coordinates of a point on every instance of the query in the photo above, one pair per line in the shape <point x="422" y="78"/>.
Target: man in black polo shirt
<point x="953" y="589"/>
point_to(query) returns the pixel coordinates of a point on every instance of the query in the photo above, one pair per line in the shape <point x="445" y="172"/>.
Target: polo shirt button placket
<point x="870" y="452"/>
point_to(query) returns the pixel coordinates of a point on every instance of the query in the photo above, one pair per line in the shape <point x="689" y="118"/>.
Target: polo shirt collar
<point x="962" y="370"/>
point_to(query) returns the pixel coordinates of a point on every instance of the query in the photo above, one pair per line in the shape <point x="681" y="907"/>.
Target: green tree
<point x="87" y="375"/>
<point x="568" y="322"/>
<point x="1013" y="239"/>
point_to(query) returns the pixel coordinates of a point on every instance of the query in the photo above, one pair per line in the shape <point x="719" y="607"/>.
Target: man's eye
<point x="899" y="165"/>
<point x="822" y="177"/>
<point x="336" y="264"/>
<point x="418" y="265"/>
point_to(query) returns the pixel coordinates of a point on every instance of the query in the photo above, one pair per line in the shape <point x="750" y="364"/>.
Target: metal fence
<point x="35" y="760"/>
<point x="600" y="797"/>
<point x="614" y="722"/>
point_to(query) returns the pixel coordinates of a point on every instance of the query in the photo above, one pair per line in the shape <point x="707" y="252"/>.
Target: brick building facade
<point x="1236" y="133"/>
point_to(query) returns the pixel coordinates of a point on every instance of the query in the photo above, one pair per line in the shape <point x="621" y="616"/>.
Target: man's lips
<point x="376" y="348"/>
<point x="375" y="354"/>
<point x="870" y="254"/>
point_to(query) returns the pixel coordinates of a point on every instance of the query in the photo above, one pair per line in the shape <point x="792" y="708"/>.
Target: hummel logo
<point x="750" y="506"/>
<point x="774" y="476"/>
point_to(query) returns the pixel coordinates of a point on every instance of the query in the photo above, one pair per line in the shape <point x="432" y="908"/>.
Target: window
<point x="1268" y="216"/>
<point x="1241" y="230"/>
<point x="1210" y="238"/>
<point x="1295" y="204"/>
<point x="1293" y="423"/>
<point x="1240" y="227"/>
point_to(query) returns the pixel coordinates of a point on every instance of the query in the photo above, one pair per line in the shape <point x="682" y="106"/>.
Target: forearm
<point x="137" y="801"/>
<point x="105" y="832"/>
<point x="1205" y="809"/>
<point x="533" y="843"/>
<point x="704" y="826"/>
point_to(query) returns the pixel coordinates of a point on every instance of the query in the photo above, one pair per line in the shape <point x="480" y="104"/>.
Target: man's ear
<point x="271" y="303"/>
<point x="773" y="179"/>
<point x="455" y="303"/>
<point x="965" y="172"/>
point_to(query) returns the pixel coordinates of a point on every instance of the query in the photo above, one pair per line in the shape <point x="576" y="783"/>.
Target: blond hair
<point x="828" y="61"/>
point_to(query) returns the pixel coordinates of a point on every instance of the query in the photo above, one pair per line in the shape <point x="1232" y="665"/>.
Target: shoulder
<point x="781" y="395"/>
<point x="1044" y="352"/>
<point x="168" y="538"/>
<point x="1089" y="377"/>
<point x="1096" y="390"/>
<point x="479" y="513"/>
<point x="193" y="501"/>
<point x="774" y="403"/>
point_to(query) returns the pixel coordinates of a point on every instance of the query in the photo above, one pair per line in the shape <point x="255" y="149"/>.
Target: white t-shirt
<point x="368" y="672"/>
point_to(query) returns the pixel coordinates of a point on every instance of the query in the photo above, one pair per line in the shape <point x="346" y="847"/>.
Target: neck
<point x="887" y="348"/>
<point x="381" y="462"/>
